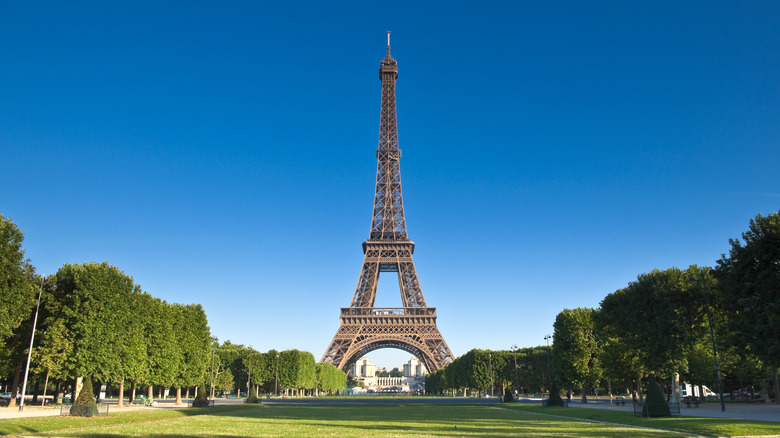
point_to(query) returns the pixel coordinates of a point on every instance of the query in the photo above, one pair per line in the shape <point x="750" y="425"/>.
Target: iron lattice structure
<point x="365" y="328"/>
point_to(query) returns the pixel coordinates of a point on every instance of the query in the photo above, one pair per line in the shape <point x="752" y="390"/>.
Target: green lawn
<point x="363" y="420"/>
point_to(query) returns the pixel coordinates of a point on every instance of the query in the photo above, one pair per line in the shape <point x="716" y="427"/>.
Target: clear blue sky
<point x="223" y="152"/>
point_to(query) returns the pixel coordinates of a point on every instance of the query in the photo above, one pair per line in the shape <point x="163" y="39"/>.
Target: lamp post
<point x="517" y="381"/>
<point x="702" y="276"/>
<point x="249" y="374"/>
<point x="211" y="373"/>
<point x="276" y="378"/>
<point x="29" y="352"/>
<point x="490" y="361"/>
<point x="549" y="360"/>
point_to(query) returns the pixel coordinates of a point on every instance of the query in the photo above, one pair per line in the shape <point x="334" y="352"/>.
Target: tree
<point x="575" y="350"/>
<point x="193" y="338"/>
<point x="18" y="289"/>
<point x="296" y="370"/>
<point x="652" y="322"/>
<point x="224" y="380"/>
<point x="329" y="378"/>
<point x="91" y="301"/>
<point x="84" y="405"/>
<point x="749" y="289"/>
<point x="200" y="400"/>
<point x="163" y="349"/>
<point x="17" y="286"/>
<point x="655" y="406"/>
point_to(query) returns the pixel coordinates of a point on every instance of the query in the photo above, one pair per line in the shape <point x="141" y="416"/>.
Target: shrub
<point x="555" y="395"/>
<point x="508" y="396"/>
<point x="200" y="400"/>
<point x="84" y="405"/>
<point x="252" y="396"/>
<point x="655" y="405"/>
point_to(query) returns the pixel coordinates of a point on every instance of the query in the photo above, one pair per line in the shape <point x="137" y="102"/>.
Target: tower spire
<point x="388" y="44"/>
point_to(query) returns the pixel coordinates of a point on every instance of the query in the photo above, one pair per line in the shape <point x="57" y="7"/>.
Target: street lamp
<point x="549" y="361"/>
<point x="211" y="373"/>
<point x="276" y="379"/>
<point x="29" y="352"/>
<point x="490" y="359"/>
<point x="517" y="381"/>
<point x="249" y="374"/>
<point x="702" y="277"/>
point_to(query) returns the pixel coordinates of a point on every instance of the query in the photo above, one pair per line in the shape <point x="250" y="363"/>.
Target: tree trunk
<point x="35" y="392"/>
<point x="584" y="393"/>
<point x="776" y="385"/>
<point x="676" y="388"/>
<point x="187" y="392"/>
<point x="77" y="388"/>
<point x="15" y="386"/>
<point x="121" y="399"/>
<point x="178" y="396"/>
<point x="44" y="390"/>
<point x="150" y="392"/>
<point x="132" y="392"/>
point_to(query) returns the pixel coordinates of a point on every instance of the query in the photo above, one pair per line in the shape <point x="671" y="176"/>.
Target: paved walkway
<point x="745" y="411"/>
<point x="37" y="411"/>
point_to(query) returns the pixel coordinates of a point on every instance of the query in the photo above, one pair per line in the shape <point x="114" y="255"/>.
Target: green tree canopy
<point x="92" y="302"/>
<point x="17" y="285"/>
<point x="575" y="350"/>
<point x="749" y="283"/>
<point x="652" y="322"/>
<point x="749" y="290"/>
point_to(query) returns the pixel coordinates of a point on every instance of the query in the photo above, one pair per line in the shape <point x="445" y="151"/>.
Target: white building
<point x="413" y="376"/>
<point x="414" y="368"/>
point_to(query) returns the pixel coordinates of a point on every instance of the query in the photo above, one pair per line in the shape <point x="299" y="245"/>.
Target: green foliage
<point x="252" y="395"/>
<point x="296" y="369"/>
<point x="84" y="405"/>
<point x="749" y="287"/>
<point x="474" y="370"/>
<point x="225" y="380"/>
<point x="655" y="404"/>
<point x="508" y="398"/>
<point x="163" y="349"/>
<point x="575" y="350"/>
<point x="93" y="302"/>
<point x="200" y="400"/>
<point x="193" y="338"/>
<point x="329" y="378"/>
<point x="18" y="287"/>
<point x="652" y="324"/>
<point x="555" y="395"/>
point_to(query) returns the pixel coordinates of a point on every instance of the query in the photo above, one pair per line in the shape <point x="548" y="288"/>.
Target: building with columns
<point x="413" y="376"/>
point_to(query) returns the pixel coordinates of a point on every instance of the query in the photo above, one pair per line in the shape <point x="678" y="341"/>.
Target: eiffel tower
<point x="365" y="328"/>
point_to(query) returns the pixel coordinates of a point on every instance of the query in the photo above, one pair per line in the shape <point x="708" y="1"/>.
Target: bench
<point x="688" y="400"/>
<point x="620" y="401"/>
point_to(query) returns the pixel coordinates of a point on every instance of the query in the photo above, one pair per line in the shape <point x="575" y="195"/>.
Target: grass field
<point x="376" y="420"/>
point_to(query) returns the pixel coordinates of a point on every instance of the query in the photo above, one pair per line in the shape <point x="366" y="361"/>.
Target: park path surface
<point x="745" y="411"/>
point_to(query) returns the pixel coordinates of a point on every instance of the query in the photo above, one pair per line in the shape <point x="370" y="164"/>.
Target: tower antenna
<point x="388" y="43"/>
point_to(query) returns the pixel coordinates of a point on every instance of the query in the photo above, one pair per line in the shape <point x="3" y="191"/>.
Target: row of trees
<point x="292" y="372"/>
<point x="479" y="372"/>
<point x="668" y="323"/>
<point x="662" y="325"/>
<point x="96" y="324"/>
